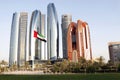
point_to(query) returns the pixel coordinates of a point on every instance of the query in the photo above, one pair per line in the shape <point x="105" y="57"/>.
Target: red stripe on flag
<point x="35" y="34"/>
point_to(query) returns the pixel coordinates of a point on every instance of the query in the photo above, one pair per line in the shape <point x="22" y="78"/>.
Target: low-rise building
<point x="114" y="52"/>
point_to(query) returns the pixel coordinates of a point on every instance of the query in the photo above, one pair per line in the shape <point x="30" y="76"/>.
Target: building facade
<point x="22" y="38"/>
<point x="18" y="39"/>
<point x="114" y="52"/>
<point x="78" y="41"/>
<point x="66" y="20"/>
<point x="43" y="32"/>
<point x="14" y="39"/>
<point x="52" y="32"/>
<point x="37" y="47"/>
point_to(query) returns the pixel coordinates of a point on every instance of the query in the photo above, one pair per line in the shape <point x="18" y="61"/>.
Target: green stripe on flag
<point x="41" y="36"/>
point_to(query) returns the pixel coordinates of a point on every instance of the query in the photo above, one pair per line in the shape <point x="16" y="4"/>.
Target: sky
<point x="102" y="16"/>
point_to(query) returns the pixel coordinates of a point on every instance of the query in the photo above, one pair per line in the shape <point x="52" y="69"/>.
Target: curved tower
<point x="14" y="39"/>
<point x="73" y="55"/>
<point x="18" y="39"/>
<point x="78" y="41"/>
<point x="36" y="47"/>
<point x="52" y="32"/>
<point x="33" y="42"/>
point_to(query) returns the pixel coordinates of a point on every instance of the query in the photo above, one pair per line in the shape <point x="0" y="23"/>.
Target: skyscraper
<point x="52" y="32"/>
<point x="18" y="39"/>
<point x="37" y="47"/>
<point x="44" y="32"/>
<point x="22" y="38"/>
<point x="66" y="20"/>
<point x="14" y="39"/>
<point x="114" y="52"/>
<point x="78" y="41"/>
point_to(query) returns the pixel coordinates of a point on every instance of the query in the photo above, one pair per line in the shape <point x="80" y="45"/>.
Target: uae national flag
<point x="39" y="36"/>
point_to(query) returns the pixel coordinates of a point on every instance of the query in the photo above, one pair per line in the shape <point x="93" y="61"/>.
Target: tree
<point x="118" y="68"/>
<point x="37" y="66"/>
<point x="100" y="60"/>
<point x="0" y="68"/>
<point x="110" y="63"/>
<point x="71" y="66"/>
<point x="3" y="65"/>
<point x="83" y="63"/>
<point x="96" y="65"/>
<point x="56" y="67"/>
<point x="82" y="60"/>
<point x="77" y="68"/>
<point x="63" y="66"/>
<point x="48" y="62"/>
<point x="14" y="67"/>
<point x="90" y="69"/>
<point x="26" y="65"/>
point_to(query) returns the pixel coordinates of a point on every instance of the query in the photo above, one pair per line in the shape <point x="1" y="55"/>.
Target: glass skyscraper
<point x="43" y="32"/>
<point x="52" y="32"/>
<point x="66" y="20"/>
<point x="22" y="38"/>
<point x="23" y="44"/>
<point x="37" y="47"/>
<point x="14" y="39"/>
<point x="18" y="39"/>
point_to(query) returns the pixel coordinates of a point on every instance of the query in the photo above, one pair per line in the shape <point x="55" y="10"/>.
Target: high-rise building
<point x="37" y="47"/>
<point x="66" y="20"/>
<point x="14" y="39"/>
<point x="78" y="41"/>
<point x="114" y="52"/>
<point x="22" y="38"/>
<point x="18" y="39"/>
<point x="43" y="31"/>
<point x="52" y="32"/>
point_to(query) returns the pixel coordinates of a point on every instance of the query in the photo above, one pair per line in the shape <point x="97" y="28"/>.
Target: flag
<point x="39" y="36"/>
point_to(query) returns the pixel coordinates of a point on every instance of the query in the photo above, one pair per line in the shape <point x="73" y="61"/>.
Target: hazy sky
<point x="102" y="16"/>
